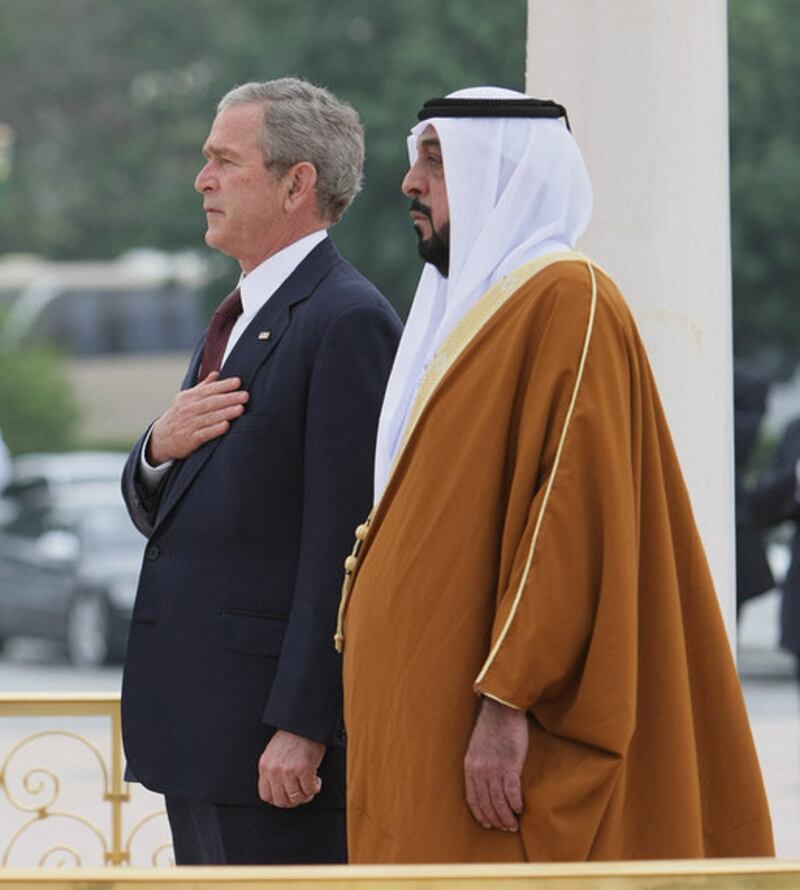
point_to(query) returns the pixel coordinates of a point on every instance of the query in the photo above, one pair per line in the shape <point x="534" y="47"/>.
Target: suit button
<point x="350" y="563"/>
<point x="152" y="551"/>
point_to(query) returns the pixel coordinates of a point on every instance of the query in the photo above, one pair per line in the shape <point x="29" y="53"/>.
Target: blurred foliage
<point x="111" y="100"/>
<point x="765" y="180"/>
<point x="36" y="402"/>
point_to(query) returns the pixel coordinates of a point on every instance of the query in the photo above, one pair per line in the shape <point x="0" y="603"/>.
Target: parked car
<point x="69" y="561"/>
<point x="45" y="475"/>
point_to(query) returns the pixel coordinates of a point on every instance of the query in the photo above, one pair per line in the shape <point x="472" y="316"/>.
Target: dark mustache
<point x="419" y="207"/>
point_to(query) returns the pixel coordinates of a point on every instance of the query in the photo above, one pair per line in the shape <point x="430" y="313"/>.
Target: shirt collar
<point x="258" y="285"/>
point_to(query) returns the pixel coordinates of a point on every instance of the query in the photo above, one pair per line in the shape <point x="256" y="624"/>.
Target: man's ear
<point x="302" y="182"/>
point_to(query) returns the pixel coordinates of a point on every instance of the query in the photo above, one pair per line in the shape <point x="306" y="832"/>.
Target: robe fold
<point x="535" y="543"/>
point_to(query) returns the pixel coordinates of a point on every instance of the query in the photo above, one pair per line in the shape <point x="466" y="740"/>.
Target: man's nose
<point x="203" y="180"/>
<point x="411" y="184"/>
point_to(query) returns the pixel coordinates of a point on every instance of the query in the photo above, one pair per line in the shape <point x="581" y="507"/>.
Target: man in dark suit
<point x="248" y="488"/>
<point x="753" y="573"/>
<point x="776" y="499"/>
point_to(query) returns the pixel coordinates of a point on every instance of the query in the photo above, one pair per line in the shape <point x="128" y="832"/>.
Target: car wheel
<point x="87" y="631"/>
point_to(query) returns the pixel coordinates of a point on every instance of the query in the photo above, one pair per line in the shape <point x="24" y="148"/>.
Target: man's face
<point x="424" y="184"/>
<point x="242" y="198"/>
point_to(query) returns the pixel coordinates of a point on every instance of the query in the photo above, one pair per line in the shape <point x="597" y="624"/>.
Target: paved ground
<point x="770" y="688"/>
<point x="773" y="702"/>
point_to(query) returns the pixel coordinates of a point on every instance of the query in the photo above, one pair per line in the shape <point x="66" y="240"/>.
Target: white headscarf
<point x="517" y="189"/>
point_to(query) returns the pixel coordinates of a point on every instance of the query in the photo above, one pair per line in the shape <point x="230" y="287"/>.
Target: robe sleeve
<point x="563" y="644"/>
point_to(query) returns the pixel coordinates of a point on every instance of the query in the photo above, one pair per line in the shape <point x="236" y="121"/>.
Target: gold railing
<point x="724" y="874"/>
<point x="33" y="794"/>
<point x="62" y="785"/>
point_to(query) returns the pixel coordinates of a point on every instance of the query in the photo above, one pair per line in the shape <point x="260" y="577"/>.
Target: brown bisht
<point x="535" y="543"/>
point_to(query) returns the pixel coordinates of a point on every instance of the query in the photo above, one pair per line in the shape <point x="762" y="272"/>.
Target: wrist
<point x="152" y="454"/>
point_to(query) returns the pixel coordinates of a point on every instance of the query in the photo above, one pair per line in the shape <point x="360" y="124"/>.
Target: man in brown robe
<point x="535" y="665"/>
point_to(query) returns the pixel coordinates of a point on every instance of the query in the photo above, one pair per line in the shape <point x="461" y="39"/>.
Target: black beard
<point x="436" y="248"/>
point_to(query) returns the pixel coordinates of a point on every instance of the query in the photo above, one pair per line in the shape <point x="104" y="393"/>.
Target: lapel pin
<point x="264" y="335"/>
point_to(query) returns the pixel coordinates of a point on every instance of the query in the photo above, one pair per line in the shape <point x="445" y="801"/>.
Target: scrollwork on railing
<point x="59" y="848"/>
<point x="165" y="851"/>
<point x="160" y="855"/>
<point x="37" y="783"/>
<point x="34" y="788"/>
<point x="43" y="786"/>
<point x="74" y="818"/>
<point x="28" y="778"/>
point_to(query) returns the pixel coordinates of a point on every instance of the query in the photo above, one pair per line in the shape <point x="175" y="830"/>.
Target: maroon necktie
<point x="218" y="332"/>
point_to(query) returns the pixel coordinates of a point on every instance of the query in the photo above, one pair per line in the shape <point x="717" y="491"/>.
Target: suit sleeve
<point x="774" y="500"/>
<point x="344" y="399"/>
<point x="142" y="502"/>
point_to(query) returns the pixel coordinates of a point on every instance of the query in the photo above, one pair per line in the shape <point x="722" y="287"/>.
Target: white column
<point x="645" y="83"/>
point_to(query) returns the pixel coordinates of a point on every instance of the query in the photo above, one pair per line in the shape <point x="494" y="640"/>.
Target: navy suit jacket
<point x="775" y="501"/>
<point x="232" y="629"/>
<point x="753" y="573"/>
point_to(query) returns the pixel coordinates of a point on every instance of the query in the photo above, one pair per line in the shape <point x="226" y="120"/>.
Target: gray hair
<point x="304" y="122"/>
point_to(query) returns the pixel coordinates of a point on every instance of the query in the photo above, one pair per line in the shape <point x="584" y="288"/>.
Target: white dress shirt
<point x="255" y="287"/>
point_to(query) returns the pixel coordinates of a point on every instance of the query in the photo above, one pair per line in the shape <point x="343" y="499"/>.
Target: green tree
<point x="765" y="178"/>
<point x="110" y="101"/>
<point x="386" y="59"/>
<point x="37" y="406"/>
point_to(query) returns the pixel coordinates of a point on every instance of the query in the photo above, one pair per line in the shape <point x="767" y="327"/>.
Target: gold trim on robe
<point x="535" y="533"/>
<point x="443" y="359"/>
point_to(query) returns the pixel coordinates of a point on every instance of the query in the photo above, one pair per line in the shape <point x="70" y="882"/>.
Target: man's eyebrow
<point x="211" y="150"/>
<point x="430" y="142"/>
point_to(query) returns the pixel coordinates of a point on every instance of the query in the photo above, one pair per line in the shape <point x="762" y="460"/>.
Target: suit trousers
<point x="206" y="833"/>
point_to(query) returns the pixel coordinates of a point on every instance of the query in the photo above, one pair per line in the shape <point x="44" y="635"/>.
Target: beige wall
<point x="119" y="396"/>
<point x="645" y="83"/>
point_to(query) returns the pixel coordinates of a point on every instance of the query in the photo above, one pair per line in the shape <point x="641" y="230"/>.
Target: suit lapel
<point x="194" y="364"/>
<point x="256" y="344"/>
